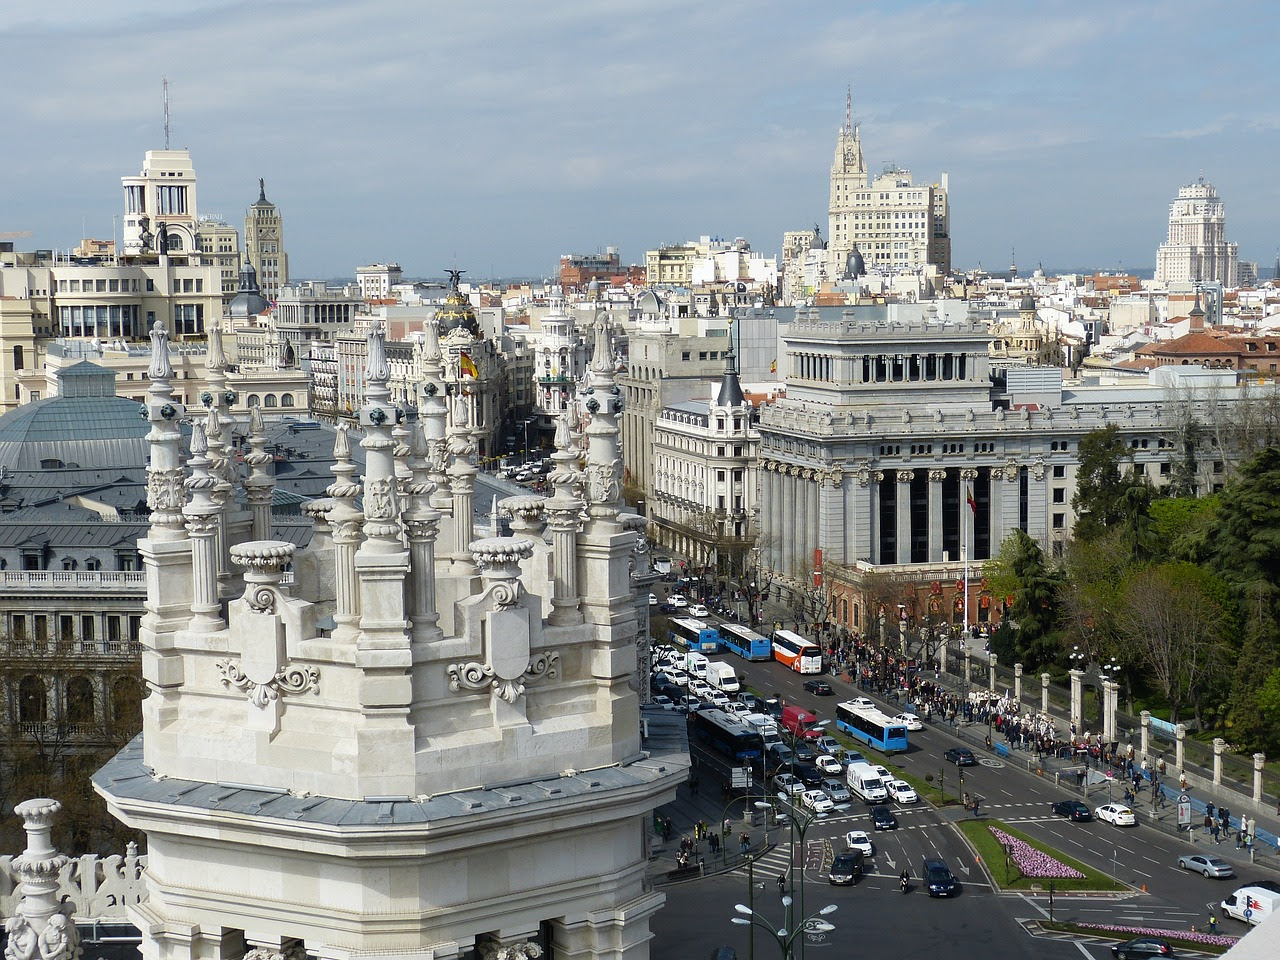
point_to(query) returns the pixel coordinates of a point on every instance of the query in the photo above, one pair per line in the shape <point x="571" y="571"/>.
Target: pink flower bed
<point x="1212" y="939"/>
<point x="1033" y="862"/>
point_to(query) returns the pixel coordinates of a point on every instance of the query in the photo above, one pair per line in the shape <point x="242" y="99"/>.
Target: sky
<point x="497" y="136"/>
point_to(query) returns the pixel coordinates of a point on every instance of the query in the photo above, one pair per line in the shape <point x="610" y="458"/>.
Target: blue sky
<point x="499" y="135"/>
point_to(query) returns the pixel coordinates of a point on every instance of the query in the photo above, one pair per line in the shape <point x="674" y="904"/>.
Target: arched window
<point x="253" y="400"/>
<point x="126" y="702"/>
<point x="79" y="700"/>
<point x="33" y="704"/>
<point x="269" y="400"/>
<point x="286" y="400"/>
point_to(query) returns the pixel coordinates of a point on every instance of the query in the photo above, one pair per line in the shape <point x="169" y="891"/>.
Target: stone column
<point x="902" y="508"/>
<point x="347" y="523"/>
<point x="462" y="479"/>
<point x="564" y="520"/>
<point x="42" y="927"/>
<point x="422" y="526"/>
<point x="1044" y="693"/>
<point x="259" y="486"/>
<point x="1017" y="681"/>
<point x="1180" y="732"/>
<point x="1145" y="716"/>
<point x="1219" y="748"/>
<point x="202" y="526"/>
<point x="935" y="515"/>
<point x="1108" y="711"/>
<point x="1077" y="707"/>
<point x="968" y="663"/>
<point x="859" y="493"/>
<point x="812" y="492"/>
<point x="1259" y="761"/>
<point x="991" y="673"/>
<point x="967" y="476"/>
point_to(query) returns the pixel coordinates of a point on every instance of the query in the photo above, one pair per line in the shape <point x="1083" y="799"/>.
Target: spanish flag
<point x="773" y="367"/>
<point x="467" y="366"/>
<point x="968" y="495"/>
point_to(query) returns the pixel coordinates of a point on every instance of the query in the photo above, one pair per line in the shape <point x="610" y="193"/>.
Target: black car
<point x="819" y="687"/>
<point x="804" y="750"/>
<point x="882" y="818"/>
<point x="773" y="707"/>
<point x="1143" y="947"/>
<point x="1072" y="810"/>
<point x="846" y="868"/>
<point x="937" y="878"/>
<point x="808" y="774"/>
<point x="960" y="756"/>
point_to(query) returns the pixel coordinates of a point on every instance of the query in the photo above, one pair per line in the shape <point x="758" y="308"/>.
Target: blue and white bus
<point x="745" y="642"/>
<point x="694" y="635"/>
<point x="726" y="734"/>
<point x="872" y="727"/>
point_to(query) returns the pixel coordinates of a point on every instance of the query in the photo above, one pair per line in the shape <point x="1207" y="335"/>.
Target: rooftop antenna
<point x="848" y="110"/>
<point x="166" y="111"/>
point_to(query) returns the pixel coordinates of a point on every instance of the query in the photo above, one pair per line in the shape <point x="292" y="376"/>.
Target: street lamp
<point x="800" y="823"/>
<point x="785" y="937"/>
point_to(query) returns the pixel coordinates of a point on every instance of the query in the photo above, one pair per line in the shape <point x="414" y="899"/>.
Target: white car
<point x="909" y="720"/>
<point x="677" y="676"/>
<point x="718" y="699"/>
<point x="883" y="772"/>
<point x="677" y="601"/>
<point x="700" y="688"/>
<point x="666" y="703"/>
<point x="789" y="784"/>
<point x="741" y="709"/>
<point x="902" y="792"/>
<point x="858" y="840"/>
<point x="829" y="764"/>
<point x="861" y="702"/>
<point x="1116" y="813"/>
<point x="653" y="599"/>
<point x="698" y="610"/>
<point x="817" y="801"/>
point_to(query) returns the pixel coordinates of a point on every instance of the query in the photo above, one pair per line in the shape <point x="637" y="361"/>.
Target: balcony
<point x="74" y="581"/>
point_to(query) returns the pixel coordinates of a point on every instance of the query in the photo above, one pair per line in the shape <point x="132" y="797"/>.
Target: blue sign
<point x="1163" y="728"/>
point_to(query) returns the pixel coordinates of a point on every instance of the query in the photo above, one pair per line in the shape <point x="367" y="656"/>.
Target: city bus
<point x="694" y="635"/>
<point x="745" y="642"/>
<point x="726" y="735"/>
<point x="796" y="652"/>
<point x="872" y="727"/>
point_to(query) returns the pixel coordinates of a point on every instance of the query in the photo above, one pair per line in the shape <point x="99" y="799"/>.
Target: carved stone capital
<point x="937" y="476"/>
<point x="906" y="476"/>
<point x="480" y="676"/>
<point x="289" y="679"/>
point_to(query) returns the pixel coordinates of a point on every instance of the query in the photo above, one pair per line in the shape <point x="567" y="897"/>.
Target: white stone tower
<point x="452" y="766"/>
<point x="1197" y="250"/>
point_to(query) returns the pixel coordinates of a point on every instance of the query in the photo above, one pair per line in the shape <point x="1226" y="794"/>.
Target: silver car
<point x="1209" y="866"/>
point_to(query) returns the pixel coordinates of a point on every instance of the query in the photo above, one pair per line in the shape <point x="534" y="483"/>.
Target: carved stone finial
<point x="41" y="927"/>
<point x="377" y="372"/>
<point x="216" y="359"/>
<point x="160" y="368"/>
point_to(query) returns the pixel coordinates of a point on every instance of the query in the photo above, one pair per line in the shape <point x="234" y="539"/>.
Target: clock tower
<point x="264" y="244"/>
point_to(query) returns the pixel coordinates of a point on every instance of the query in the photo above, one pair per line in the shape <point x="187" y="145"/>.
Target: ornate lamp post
<point x="786" y="938"/>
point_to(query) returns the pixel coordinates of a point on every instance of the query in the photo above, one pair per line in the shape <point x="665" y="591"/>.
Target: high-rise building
<point x="1197" y="250"/>
<point x="895" y="223"/>
<point x="160" y="205"/>
<point x="264" y="244"/>
<point x="220" y="244"/>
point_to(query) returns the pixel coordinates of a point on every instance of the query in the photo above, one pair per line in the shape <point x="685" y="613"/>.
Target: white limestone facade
<point x="431" y="746"/>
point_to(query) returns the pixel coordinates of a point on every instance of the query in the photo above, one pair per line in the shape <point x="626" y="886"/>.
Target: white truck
<point x="866" y="783"/>
<point x="722" y="676"/>
<point x="1251" y="904"/>
<point x="764" y="725"/>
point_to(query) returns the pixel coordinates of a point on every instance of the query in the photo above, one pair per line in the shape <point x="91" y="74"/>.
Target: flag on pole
<point x="968" y="495"/>
<point x="467" y="366"/>
<point x="773" y="367"/>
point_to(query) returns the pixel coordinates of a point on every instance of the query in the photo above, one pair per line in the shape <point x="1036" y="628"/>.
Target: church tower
<point x="264" y="244"/>
<point x="423" y="744"/>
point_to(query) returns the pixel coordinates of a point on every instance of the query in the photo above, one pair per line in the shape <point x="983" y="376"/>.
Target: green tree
<point x="1246" y="537"/>
<point x="1100" y="482"/>
<point x="1251" y="726"/>
<point x="1183" y="526"/>
<point x="1021" y="570"/>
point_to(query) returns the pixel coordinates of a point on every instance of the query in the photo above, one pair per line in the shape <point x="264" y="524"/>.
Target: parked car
<point x="1072" y="810"/>
<point x="910" y="721"/>
<point x="836" y="790"/>
<point x="846" y="868"/>
<point x="882" y="818"/>
<point x="1116" y="813"/>
<point x="817" y="801"/>
<point x="829" y="764"/>
<point x="818" y="687"/>
<point x="938" y="879"/>
<point x="902" y="792"/>
<point x="960" y="756"/>
<point x="1206" y="865"/>
<point x="859" y="840"/>
<point x="1142" y="947"/>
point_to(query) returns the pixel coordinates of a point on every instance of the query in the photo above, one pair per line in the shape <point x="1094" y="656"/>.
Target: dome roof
<point x="456" y="311"/>
<point x="854" y="265"/>
<point x="249" y="302"/>
<point x="1027" y="304"/>
<point x="86" y="425"/>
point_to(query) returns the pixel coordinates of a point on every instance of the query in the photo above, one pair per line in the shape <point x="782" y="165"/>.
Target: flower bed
<point x="1033" y="862"/>
<point x="1209" y="939"/>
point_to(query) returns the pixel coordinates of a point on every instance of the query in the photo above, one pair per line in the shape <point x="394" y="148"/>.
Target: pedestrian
<point x="1239" y="838"/>
<point x="1208" y="822"/>
<point x="1208" y="811"/>
<point x="975" y="806"/>
<point x="1214" y="830"/>
<point x="1213" y="924"/>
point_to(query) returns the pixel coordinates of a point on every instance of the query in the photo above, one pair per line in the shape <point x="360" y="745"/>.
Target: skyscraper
<point x="1197" y="249"/>
<point x="264" y="244"/>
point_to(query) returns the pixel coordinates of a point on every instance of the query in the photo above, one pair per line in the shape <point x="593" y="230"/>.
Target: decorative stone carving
<point x="478" y="676"/>
<point x="937" y="476"/>
<point x="41" y="927"/>
<point x="496" y="950"/>
<point x="165" y="489"/>
<point x="906" y="476"/>
<point x="290" y="679"/>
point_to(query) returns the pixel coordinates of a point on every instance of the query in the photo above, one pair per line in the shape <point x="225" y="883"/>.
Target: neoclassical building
<point x="895" y="451"/>
<point x="430" y="744"/>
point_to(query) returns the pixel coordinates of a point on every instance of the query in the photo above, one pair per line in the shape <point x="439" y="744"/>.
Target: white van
<point x="865" y="783"/>
<point x="722" y="676"/>
<point x="1250" y="904"/>
<point x="696" y="665"/>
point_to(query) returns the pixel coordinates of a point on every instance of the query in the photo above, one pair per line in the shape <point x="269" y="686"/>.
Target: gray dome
<point x="249" y="302"/>
<point x="86" y="426"/>
<point x="1027" y="304"/>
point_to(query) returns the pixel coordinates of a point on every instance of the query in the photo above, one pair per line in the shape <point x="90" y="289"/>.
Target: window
<point x="1059" y="495"/>
<point x="1059" y="471"/>
<point x="33" y="705"/>
<point x="17" y="358"/>
<point x="1059" y="521"/>
<point x="79" y="700"/>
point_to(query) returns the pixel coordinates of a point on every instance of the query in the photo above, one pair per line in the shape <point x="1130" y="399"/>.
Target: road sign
<point x="1247" y="913"/>
<point x="1184" y="811"/>
<point x="741" y="778"/>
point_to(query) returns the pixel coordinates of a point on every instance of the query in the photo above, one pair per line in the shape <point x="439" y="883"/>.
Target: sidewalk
<point x="692" y="804"/>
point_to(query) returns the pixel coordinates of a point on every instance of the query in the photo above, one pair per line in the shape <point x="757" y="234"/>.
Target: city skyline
<point x="499" y="137"/>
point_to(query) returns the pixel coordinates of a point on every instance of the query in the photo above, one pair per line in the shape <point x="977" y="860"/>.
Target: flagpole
<point x="964" y="555"/>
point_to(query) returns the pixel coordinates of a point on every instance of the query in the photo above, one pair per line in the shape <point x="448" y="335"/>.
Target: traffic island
<point x="1014" y="861"/>
<point x="1204" y="943"/>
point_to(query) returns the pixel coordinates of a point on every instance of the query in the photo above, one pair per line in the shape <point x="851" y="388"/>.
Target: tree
<point x="1246" y="537"/>
<point x="1175" y="617"/>
<point x="1021" y="570"/>
<point x="1100" y="482"/>
<point x="1183" y="526"/>
<point x="1252" y="726"/>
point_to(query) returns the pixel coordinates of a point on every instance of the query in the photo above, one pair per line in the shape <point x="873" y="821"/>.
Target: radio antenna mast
<point x="166" y="112"/>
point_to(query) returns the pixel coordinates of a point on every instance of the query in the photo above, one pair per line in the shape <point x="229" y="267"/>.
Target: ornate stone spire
<point x="202" y="516"/>
<point x="604" y="404"/>
<point x="41" y="927"/>
<point x="381" y="502"/>
<point x="462" y="476"/>
<point x="564" y="520"/>
<point x="346" y="522"/>
<point x="165" y="494"/>
<point x="216" y="360"/>
<point x="260" y="484"/>
<point x="422" y="525"/>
